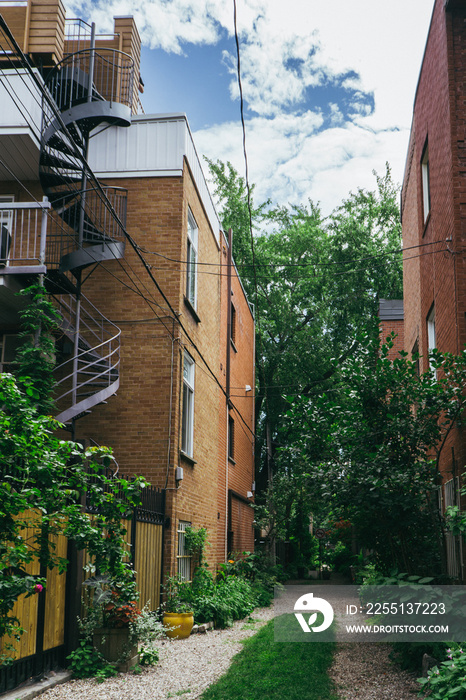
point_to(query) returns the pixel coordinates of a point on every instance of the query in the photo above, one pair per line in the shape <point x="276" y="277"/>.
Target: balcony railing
<point x="92" y="74"/>
<point x="31" y="234"/>
<point x="23" y="234"/>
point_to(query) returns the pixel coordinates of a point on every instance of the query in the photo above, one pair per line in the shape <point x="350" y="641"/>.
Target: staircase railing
<point x="91" y="374"/>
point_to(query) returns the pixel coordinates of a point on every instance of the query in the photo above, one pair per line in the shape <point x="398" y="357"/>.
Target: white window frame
<point x="191" y="260"/>
<point x="187" y="422"/>
<point x="182" y="557"/>
<point x="425" y="169"/>
<point x="6" y="219"/>
<point x="431" y="336"/>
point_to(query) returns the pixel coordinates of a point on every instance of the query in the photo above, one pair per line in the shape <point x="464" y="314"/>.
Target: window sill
<point x="231" y="460"/>
<point x="235" y="349"/>
<point x="187" y="458"/>
<point x="191" y="309"/>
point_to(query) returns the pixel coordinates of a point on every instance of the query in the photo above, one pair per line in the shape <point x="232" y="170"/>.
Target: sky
<point x="328" y="87"/>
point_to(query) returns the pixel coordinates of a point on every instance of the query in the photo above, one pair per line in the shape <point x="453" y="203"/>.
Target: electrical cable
<point x="286" y="265"/>
<point x="99" y="188"/>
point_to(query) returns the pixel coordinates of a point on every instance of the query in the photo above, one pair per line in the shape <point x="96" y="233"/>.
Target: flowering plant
<point x="448" y="679"/>
<point x="118" y="613"/>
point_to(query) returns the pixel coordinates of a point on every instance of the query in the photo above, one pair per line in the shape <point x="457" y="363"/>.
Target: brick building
<point x="434" y="218"/>
<point x="391" y="320"/>
<point x="156" y="349"/>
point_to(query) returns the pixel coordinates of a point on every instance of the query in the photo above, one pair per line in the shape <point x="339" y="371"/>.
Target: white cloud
<point x="371" y="49"/>
<point x="291" y="163"/>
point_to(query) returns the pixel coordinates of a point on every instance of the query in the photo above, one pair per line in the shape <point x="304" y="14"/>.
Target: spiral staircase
<point x="91" y="89"/>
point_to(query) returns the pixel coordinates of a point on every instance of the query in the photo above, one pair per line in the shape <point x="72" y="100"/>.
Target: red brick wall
<point x="435" y="272"/>
<point x="397" y="326"/>
<point x="236" y="475"/>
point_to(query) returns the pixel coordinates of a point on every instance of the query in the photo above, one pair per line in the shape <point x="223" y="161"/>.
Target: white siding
<point x="153" y="146"/>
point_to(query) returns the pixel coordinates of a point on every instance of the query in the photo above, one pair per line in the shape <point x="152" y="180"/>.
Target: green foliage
<point x="369" y="451"/>
<point x="409" y="656"/>
<point x="315" y="284"/>
<point x="86" y="662"/>
<point x="268" y="669"/>
<point x="43" y="481"/>
<point x="240" y="585"/>
<point x="177" y="595"/>
<point x="231" y="598"/>
<point x="148" y="656"/>
<point x="195" y="542"/>
<point x="448" y="679"/>
<point x="36" y="356"/>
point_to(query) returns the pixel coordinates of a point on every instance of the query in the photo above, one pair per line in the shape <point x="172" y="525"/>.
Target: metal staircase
<point x="91" y="374"/>
<point x="92" y="88"/>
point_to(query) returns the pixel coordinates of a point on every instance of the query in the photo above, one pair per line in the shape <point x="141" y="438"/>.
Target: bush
<point x="448" y="679"/>
<point x="409" y="656"/>
<point x="227" y="600"/>
<point x="241" y="585"/>
<point x="86" y="662"/>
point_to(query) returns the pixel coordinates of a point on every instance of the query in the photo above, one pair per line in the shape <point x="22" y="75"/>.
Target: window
<point x="431" y="336"/>
<point x="6" y="225"/>
<point x="187" y="425"/>
<point x="9" y="346"/>
<point x="183" y="558"/>
<point x="191" y="267"/>
<point x="415" y="357"/>
<point x="425" y="182"/>
<point x="231" y="438"/>
<point x="233" y="324"/>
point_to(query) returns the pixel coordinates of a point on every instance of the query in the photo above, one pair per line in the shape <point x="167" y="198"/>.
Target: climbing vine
<point x="44" y="482"/>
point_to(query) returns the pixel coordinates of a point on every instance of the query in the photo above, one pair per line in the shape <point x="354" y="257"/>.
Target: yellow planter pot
<point x="178" y="625"/>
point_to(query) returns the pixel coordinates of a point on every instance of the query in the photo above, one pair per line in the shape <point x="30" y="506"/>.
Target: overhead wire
<point x="90" y="174"/>
<point x="306" y="264"/>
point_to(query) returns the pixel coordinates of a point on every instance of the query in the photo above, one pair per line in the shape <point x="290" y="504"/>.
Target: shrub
<point x="448" y="679"/>
<point x="86" y="662"/>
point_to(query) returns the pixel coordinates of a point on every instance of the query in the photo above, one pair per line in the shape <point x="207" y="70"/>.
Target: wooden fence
<point x="45" y="616"/>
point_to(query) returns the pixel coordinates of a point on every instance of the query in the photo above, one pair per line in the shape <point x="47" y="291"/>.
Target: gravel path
<point x="365" y="672"/>
<point x="187" y="667"/>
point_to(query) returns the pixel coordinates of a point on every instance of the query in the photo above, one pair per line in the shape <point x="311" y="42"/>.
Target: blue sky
<point x="328" y="86"/>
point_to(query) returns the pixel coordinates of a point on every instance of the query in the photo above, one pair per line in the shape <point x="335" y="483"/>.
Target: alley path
<point x="187" y="667"/>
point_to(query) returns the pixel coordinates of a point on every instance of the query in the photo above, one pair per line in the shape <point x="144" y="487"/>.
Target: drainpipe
<point x="227" y="388"/>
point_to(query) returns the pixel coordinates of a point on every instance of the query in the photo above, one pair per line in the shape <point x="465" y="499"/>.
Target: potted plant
<point x="115" y="639"/>
<point x="115" y="624"/>
<point x="178" y="616"/>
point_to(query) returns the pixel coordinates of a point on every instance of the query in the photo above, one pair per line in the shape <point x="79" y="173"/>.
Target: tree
<point x="315" y="284"/>
<point x="371" y="450"/>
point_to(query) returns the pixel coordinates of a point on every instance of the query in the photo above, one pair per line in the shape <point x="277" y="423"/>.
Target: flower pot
<point x="178" y="625"/>
<point x="114" y="645"/>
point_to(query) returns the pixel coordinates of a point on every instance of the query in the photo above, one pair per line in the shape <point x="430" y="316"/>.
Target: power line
<point x="99" y="188"/>
<point x="304" y="264"/>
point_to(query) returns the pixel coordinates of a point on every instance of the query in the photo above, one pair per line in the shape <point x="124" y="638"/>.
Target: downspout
<point x="174" y="339"/>
<point x="227" y="388"/>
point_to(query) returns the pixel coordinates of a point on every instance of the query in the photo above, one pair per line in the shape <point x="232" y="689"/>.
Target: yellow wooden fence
<point x="145" y="542"/>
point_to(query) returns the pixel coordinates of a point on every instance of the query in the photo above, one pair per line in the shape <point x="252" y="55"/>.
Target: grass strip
<point x="268" y="669"/>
